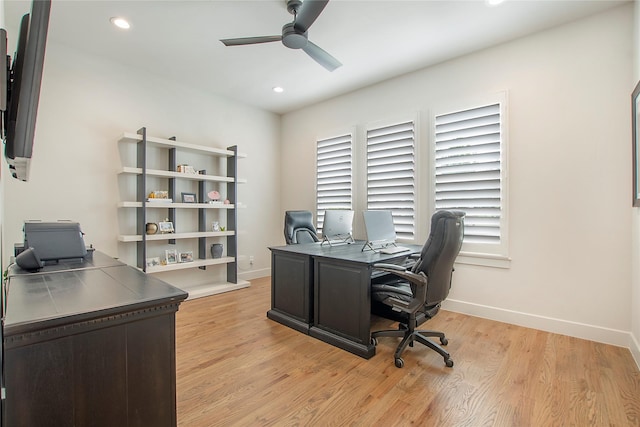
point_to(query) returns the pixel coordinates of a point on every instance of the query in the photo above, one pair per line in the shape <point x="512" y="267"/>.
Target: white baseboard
<point x="206" y="290"/>
<point x="254" y="274"/>
<point x="634" y="346"/>
<point x="558" y="326"/>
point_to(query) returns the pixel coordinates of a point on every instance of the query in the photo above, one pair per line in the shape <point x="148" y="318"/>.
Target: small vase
<point x="152" y="228"/>
<point x="216" y="250"/>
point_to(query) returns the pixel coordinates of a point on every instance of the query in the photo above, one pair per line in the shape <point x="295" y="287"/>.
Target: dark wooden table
<point x="89" y="343"/>
<point x="325" y="291"/>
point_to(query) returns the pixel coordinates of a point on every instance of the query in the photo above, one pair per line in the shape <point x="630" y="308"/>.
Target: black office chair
<point x="298" y="227"/>
<point x="416" y="296"/>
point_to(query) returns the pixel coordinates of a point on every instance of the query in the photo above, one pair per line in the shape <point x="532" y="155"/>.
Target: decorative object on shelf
<point x="189" y="198"/>
<point x="222" y="228"/>
<point x="153" y="262"/>
<point x="171" y="256"/>
<point x="158" y="195"/>
<point x="166" y="227"/>
<point x="227" y="202"/>
<point x="186" y="256"/>
<point x="214" y="196"/>
<point x="152" y="228"/>
<point x="187" y="169"/>
<point x="215" y="226"/>
<point x="216" y="250"/>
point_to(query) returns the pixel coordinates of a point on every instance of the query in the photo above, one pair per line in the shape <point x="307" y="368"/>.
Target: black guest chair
<point x="416" y="296"/>
<point x="298" y="227"/>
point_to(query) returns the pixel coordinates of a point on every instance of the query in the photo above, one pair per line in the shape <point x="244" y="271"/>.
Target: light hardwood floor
<point x="235" y="367"/>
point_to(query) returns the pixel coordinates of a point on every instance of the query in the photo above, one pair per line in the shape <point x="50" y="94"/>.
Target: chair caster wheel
<point x="448" y="362"/>
<point x="444" y="341"/>
<point x="374" y="341"/>
<point x="399" y="362"/>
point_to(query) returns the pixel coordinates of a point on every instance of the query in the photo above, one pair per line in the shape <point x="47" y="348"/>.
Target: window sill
<point x="484" y="260"/>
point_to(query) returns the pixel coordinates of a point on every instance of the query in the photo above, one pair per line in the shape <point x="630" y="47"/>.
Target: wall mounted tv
<point x="20" y="81"/>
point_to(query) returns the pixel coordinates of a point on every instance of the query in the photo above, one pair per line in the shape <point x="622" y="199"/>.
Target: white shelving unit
<point x="199" y="231"/>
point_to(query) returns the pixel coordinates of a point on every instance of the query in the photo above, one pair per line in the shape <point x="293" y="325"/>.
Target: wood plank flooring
<point x="235" y="367"/>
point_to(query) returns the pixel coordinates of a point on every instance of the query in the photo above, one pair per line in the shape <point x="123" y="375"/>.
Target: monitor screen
<point x="379" y="226"/>
<point x="22" y="88"/>
<point x="337" y="223"/>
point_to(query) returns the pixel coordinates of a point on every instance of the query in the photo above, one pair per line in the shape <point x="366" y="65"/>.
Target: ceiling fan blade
<point x="251" y="40"/>
<point x="321" y="57"/>
<point x="308" y="13"/>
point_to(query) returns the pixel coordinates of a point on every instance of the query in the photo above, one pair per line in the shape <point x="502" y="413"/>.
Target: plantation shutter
<point x="391" y="174"/>
<point x="468" y="169"/>
<point x="333" y="176"/>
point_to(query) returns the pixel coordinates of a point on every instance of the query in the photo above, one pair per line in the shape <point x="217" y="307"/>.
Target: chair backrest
<point x="299" y="228"/>
<point x="439" y="253"/>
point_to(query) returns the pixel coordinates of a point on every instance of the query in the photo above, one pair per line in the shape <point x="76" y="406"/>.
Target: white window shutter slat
<point x="334" y="165"/>
<point x="468" y="170"/>
<point x="391" y="174"/>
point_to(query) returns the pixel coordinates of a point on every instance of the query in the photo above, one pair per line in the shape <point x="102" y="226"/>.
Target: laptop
<point x="337" y="225"/>
<point x="381" y="232"/>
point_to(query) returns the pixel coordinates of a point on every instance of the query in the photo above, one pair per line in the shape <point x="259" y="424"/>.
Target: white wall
<point x="635" y="214"/>
<point x="568" y="121"/>
<point x="86" y="103"/>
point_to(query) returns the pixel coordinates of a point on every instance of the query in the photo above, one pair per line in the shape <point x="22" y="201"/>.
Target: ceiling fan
<point x="294" y="34"/>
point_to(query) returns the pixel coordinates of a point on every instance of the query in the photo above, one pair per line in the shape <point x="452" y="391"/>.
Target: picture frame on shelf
<point x="635" y="147"/>
<point x="153" y="261"/>
<point x="189" y="198"/>
<point x="187" y="169"/>
<point x="186" y="256"/>
<point x="171" y="256"/>
<point x="165" y="227"/>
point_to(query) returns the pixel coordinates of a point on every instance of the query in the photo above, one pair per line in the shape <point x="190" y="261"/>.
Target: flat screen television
<point x="21" y="88"/>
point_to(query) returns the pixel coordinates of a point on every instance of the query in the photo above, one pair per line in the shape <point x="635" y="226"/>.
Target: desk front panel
<point x="291" y="289"/>
<point x="342" y="305"/>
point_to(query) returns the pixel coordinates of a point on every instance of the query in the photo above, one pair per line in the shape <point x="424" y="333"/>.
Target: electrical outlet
<point x="250" y="259"/>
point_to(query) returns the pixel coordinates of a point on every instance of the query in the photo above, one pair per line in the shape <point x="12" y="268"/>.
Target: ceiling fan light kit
<point x="294" y="34"/>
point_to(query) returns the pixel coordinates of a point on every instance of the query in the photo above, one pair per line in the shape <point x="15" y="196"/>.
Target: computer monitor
<point x="379" y="227"/>
<point x="337" y="225"/>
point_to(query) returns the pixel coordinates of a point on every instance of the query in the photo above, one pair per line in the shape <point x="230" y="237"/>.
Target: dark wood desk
<point x="90" y="343"/>
<point x="325" y="291"/>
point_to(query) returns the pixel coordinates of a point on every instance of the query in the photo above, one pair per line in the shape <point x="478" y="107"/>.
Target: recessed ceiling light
<point x="278" y="89"/>
<point x="494" y="2"/>
<point x="120" y="23"/>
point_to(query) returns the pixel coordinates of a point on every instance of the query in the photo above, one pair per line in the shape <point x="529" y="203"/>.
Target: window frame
<point x="484" y="254"/>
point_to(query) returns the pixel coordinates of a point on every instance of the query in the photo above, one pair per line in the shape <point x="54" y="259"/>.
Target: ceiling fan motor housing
<point x="293" y="38"/>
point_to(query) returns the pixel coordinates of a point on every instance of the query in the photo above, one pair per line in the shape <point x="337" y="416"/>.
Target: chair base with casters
<point x="410" y="334"/>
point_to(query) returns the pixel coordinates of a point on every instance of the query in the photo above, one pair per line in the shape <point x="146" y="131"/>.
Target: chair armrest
<point x="400" y="271"/>
<point x="394" y="267"/>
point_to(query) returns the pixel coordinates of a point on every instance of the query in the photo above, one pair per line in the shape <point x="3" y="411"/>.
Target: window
<point x="391" y="174"/>
<point x="469" y="174"/>
<point x="333" y="176"/>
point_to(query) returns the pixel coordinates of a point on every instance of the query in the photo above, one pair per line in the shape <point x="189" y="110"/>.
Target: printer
<point x="49" y="242"/>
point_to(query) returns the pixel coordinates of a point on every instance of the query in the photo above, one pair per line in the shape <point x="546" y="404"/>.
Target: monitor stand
<point x="369" y="245"/>
<point x="340" y="239"/>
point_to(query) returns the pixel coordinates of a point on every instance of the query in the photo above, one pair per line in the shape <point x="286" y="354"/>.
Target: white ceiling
<point x="375" y="39"/>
